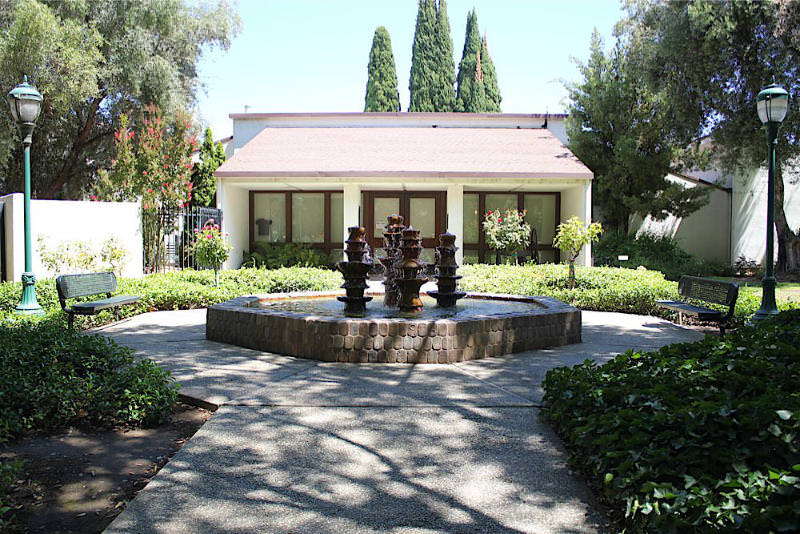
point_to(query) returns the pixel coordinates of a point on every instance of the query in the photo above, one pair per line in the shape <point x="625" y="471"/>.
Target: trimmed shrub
<point x="51" y="377"/>
<point x="180" y="290"/>
<point x="596" y="288"/>
<point x="656" y="253"/>
<point x="696" y="437"/>
<point x="276" y="255"/>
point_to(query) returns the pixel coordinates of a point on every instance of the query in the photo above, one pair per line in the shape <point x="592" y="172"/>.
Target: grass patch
<point x="696" y="437"/>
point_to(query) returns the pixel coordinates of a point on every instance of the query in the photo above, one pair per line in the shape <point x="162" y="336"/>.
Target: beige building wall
<point x="705" y="233"/>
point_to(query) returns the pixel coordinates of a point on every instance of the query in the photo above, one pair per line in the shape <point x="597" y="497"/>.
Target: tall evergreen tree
<point x="444" y="93"/>
<point x="490" y="79"/>
<point x="382" y="93"/>
<point x="204" y="184"/>
<point x="423" y="58"/>
<point x="468" y="70"/>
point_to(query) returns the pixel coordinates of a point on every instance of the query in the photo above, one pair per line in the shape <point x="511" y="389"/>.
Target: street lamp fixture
<point x="772" y="104"/>
<point x="26" y="104"/>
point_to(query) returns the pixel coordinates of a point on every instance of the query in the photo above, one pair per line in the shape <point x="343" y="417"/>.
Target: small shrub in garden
<point x="276" y="255"/>
<point x="506" y="231"/>
<point x="696" y="437"/>
<point x="210" y="248"/>
<point x="571" y="237"/>
<point x="52" y="377"/>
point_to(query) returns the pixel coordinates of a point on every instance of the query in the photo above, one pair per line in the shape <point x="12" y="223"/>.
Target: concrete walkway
<point x="309" y="447"/>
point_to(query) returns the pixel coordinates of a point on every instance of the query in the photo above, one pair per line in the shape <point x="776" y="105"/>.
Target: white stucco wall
<point x="705" y="233"/>
<point x="750" y="212"/>
<point x="235" y="204"/>
<point x="59" y="221"/>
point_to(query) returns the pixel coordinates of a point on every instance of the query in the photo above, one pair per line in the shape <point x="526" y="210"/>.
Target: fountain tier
<point x="308" y="325"/>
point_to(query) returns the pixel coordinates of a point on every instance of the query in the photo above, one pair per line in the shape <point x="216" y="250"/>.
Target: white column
<point x="352" y="207"/>
<point x="455" y="217"/>
<point x="586" y="254"/>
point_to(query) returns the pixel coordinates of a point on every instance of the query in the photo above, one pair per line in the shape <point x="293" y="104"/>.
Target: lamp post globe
<point x="26" y="104"/>
<point x="772" y="104"/>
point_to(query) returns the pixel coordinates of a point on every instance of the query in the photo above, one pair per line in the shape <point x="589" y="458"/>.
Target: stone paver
<point x="303" y="446"/>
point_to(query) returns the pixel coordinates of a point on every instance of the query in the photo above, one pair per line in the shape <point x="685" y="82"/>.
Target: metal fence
<point x="168" y="234"/>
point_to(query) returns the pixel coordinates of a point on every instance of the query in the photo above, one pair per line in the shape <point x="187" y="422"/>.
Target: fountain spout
<point x="407" y="271"/>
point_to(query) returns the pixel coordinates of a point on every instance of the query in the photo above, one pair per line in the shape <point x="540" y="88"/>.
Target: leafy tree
<point x="444" y="94"/>
<point x="490" y="79"/>
<point x="571" y="237"/>
<point x="94" y="61"/>
<point x="506" y="232"/>
<point x="711" y="59"/>
<point x="153" y="165"/>
<point x="382" y="93"/>
<point x="625" y="134"/>
<point x="204" y="184"/>
<point x="432" y="71"/>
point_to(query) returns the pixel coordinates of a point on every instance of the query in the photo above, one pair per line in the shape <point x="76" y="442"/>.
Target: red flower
<point x="144" y="173"/>
<point x="94" y="198"/>
<point x="150" y="190"/>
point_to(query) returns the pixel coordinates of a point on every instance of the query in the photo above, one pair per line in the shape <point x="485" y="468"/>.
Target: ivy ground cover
<point x="696" y="437"/>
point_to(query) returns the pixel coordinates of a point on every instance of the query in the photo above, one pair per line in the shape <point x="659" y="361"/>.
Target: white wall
<point x="235" y="204"/>
<point x="705" y="233"/>
<point x="750" y="212"/>
<point x="59" y="221"/>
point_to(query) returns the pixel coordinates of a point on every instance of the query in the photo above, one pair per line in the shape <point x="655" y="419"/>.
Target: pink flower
<point x="211" y="221"/>
<point x="94" y="198"/>
<point x="144" y="173"/>
<point x="150" y="190"/>
<point x="209" y="236"/>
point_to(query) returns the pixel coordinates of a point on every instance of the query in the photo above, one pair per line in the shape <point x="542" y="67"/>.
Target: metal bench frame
<point x="706" y="290"/>
<point x="71" y="286"/>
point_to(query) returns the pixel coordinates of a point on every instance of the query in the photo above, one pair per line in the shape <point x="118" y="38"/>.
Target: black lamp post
<point x="772" y="103"/>
<point x="26" y="103"/>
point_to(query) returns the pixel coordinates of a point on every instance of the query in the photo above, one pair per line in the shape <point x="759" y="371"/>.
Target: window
<point x="313" y="217"/>
<point x="542" y="213"/>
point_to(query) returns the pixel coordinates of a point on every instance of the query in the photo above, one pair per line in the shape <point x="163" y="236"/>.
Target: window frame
<point x="328" y="245"/>
<point x="481" y="247"/>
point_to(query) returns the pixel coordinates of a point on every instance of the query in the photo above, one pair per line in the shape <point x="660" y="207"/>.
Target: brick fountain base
<point x="534" y="323"/>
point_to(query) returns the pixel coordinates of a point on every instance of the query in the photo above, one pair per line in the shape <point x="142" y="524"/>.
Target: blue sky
<point x="311" y="55"/>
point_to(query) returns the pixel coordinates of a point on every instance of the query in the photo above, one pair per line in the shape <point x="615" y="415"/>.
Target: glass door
<point x="424" y="210"/>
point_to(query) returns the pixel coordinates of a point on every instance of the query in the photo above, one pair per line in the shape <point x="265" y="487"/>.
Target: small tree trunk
<point x="788" y="241"/>
<point x="216" y="277"/>
<point x="571" y="281"/>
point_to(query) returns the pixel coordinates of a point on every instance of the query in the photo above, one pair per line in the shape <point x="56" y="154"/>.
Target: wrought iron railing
<point x="168" y="233"/>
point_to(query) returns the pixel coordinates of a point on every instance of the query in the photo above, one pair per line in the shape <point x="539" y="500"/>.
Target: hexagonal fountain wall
<point x="313" y="326"/>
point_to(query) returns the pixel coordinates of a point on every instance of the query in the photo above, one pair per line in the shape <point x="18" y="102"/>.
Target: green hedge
<point x="182" y="290"/>
<point x="654" y="252"/>
<point x="696" y="437"/>
<point x="597" y="288"/>
<point x="51" y="377"/>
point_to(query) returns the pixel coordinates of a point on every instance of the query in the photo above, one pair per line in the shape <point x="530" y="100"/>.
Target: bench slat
<point x="90" y="308"/>
<point x="714" y="291"/>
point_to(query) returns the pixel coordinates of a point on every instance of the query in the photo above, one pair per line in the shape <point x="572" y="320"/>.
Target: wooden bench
<point x="706" y="290"/>
<point x="71" y="286"/>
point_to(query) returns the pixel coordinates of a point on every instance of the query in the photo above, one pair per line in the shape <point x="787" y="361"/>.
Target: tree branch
<point x="78" y="144"/>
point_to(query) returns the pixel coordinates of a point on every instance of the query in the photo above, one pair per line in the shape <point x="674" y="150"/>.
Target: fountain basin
<point x="307" y="325"/>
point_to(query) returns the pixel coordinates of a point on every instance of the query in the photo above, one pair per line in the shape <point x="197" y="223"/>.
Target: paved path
<point x="310" y="447"/>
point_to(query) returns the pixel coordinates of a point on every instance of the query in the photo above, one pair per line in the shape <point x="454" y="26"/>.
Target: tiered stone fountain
<point x="391" y="246"/>
<point x="314" y="326"/>
<point x="446" y="267"/>
<point x="407" y="277"/>
<point x="355" y="271"/>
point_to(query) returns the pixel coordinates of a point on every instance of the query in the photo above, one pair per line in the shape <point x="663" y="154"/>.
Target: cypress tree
<point x="382" y="93"/>
<point x="204" y="184"/>
<point x="468" y="70"/>
<point x="444" y="94"/>
<point x="490" y="79"/>
<point x="423" y="58"/>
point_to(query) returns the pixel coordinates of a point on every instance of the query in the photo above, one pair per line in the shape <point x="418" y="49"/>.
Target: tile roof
<point x="400" y="151"/>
